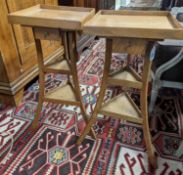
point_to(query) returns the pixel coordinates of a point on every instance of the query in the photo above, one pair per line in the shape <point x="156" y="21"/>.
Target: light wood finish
<point x="53" y="16"/>
<point x="126" y="77"/>
<point x="35" y="123"/>
<point x="66" y="94"/>
<point x="137" y="24"/>
<point x="144" y="108"/>
<point x="130" y="32"/>
<point x="63" y="27"/>
<point x="18" y="59"/>
<point x="123" y="107"/>
<point x="73" y="57"/>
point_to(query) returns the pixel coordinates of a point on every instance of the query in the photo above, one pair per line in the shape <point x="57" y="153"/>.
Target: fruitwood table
<point x="56" y="23"/>
<point x="132" y="32"/>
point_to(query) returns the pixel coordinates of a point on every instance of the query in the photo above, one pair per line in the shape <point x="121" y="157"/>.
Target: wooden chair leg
<point x="144" y="108"/>
<point x="103" y="87"/>
<point x="35" y="122"/>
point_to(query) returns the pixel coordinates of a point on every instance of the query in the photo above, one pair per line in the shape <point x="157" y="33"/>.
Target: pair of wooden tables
<point x="132" y="32"/>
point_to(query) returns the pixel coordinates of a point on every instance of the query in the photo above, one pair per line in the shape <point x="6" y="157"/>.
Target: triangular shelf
<point x="58" y="66"/>
<point x="126" y="78"/>
<point x="63" y="94"/>
<point x="122" y="107"/>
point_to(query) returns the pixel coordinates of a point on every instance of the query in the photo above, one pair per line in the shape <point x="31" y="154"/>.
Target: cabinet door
<point x="91" y="3"/>
<point x="24" y="36"/>
<point x="79" y="3"/>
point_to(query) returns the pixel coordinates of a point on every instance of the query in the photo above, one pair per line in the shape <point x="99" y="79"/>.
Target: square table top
<point x="138" y="24"/>
<point x="64" y="17"/>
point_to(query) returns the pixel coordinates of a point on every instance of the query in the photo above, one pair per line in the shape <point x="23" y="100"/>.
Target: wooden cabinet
<point x="79" y="3"/>
<point x="92" y="3"/>
<point x="18" y="59"/>
<point x="97" y="4"/>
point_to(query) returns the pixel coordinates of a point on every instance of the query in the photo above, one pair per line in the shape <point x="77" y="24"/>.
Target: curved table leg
<point x="103" y="87"/>
<point x="35" y="122"/>
<point x="73" y="58"/>
<point x="144" y="108"/>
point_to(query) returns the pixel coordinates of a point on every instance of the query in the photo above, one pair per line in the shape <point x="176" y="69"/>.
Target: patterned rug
<point x="119" y="148"/>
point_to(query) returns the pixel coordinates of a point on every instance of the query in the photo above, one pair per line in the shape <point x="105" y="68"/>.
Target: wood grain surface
<point x="52" y="16"/>
<point x="138" y="24"/>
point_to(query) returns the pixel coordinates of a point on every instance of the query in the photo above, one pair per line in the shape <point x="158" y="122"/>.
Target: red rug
<point x="119" y="148"/>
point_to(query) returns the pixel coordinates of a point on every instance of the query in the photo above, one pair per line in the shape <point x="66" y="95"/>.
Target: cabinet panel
<point x="51" y="2"/>
<point x="99" y="4"/>
<point x="91" y="3"/>
<point x="9" y="55"/>
<point x="3" y="76"/>
<point x="24" y="35"/>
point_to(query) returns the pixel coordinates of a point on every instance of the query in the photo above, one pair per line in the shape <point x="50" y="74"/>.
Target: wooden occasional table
<point x="132" y="32"/>
<point x="56" y="23"/>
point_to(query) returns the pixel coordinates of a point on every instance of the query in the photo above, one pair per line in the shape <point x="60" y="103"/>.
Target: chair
<point x="168" y="70"/>
<point x="167" y="66"/>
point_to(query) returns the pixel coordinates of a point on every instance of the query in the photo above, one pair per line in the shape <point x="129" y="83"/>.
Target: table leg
<point x="103" y="87"/>
<point x="73" y="58"/>
<point x="35" y="122"/>
<point x="144" y="109"/>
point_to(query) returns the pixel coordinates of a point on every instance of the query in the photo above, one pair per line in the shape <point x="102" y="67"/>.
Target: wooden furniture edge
<point x="148" y="34"/>
<point x="133" y="12"/>
<point x="8" y="44"/>
<point x="15" y="86"/>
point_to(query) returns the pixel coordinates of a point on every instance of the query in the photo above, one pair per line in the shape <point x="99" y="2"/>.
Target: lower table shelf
<point x="122" y="107"/>
<point x="126" y="77"/>
<point x="58" y="66"/>
<point x="63" y="94"/>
